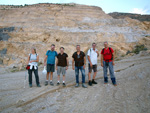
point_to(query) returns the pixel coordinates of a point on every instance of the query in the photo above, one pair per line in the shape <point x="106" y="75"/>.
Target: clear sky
<point x="128" y="6"/>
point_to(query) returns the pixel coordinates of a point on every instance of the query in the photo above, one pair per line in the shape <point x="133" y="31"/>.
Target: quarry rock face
<point x="66" y="25"/>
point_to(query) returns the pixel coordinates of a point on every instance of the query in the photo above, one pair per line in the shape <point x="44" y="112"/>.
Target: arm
<point x="113" y="58"/>
<point x="45" y="60"/>
<point x="90" y="61"/>
<point x="84" y="61"/>
<point x="56" y="63"/>
<point x="102" y="60"/>
<point x="97" y="53"/>
<point x="67" y="63"/>
<point x="28" y="60"/>
<point x="73" y="63"/>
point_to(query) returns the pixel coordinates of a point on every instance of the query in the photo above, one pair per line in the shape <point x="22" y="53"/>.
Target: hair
<point x="53" y="45"/>
<point x="105" y="42"/>
<point x="62" y="48"/>
<point x="93" y="43"/>
<point x="34" y="49"/>
<point x="77" y="45"/>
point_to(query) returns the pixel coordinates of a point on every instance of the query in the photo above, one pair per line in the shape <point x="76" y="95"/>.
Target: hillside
<point x="139" y="17"/>
<point x="40" y="25"/>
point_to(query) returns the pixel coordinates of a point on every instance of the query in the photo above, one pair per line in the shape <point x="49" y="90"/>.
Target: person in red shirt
<point x="107" y="60"/>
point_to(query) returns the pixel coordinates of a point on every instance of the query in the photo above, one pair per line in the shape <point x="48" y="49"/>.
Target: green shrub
<point x="137" y="49"/>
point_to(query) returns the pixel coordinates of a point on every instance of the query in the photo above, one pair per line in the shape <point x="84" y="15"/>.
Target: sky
<point x="108" y="6"/>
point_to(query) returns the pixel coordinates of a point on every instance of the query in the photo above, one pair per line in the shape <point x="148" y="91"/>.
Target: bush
<point x="137" y="49"/>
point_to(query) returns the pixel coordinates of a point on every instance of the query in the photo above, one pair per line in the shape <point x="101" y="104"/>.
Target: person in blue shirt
<point x="50" y="58"/>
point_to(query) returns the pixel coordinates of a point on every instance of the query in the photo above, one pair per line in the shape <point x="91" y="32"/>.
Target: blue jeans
<point x="111" y="69"/>
<point x="77" y="73"/>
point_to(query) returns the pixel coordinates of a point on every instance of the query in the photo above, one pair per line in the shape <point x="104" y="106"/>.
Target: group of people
<point x="78" y="63"/>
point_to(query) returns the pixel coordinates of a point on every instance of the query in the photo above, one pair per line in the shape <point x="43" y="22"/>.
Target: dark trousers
<point x="36" y="75"/>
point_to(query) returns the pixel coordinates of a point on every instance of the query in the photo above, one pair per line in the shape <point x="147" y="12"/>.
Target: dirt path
<point x="132" y="95"/>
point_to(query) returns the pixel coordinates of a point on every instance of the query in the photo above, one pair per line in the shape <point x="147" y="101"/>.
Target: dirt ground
<point x="132" y="95"/>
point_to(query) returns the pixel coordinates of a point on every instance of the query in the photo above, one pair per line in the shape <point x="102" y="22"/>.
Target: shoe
<point x="105" y="80"/>
<point x="90" y="83"/>
<point x="93" y="81"/>
<point x="38" y="85"/>
<point x="58" y="83"/>
<point x="64" y="84"/>
<point x="46" y="83"/>
<point x="83" y="85"/>
<point x="30" y="85"/>
<point x="77" y="85"/>
<point x="51" y="83"/>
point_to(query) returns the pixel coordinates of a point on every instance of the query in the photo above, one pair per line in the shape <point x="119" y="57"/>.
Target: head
<point x="106" y="44"/>
<point x="78" y="47"/>
<point x="33" y="50"/>
<point x="62" y="49"/>
<point x="93" y="45"/>
<point x="52" y="47"/>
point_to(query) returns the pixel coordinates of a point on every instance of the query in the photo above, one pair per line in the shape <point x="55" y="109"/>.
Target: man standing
<point x="92" y="63"/>
<point x="107" y="60"/>
<point x="50" y="58"/>
<point x="62" y="65"/>
<point x="80" y="61"/>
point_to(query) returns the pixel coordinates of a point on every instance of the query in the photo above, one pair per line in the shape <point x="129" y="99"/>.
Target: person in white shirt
<point x="92" y="63"/>
<point x="32" y="61"/>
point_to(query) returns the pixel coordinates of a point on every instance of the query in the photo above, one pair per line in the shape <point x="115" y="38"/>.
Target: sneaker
<point x="77" y="85"/>
<point x="83" y="85"/>
<point x="93" y="81"/>
<point x="38" y="85"/>
<point x="90" y="83"/>
<point x="64" y="84"/>
<point x="115" y="84"/>
<point x="30" y="85"/>
<point x="46" y="83"/>
<point x="58" y="83"/>
<point x="51" y="83"/>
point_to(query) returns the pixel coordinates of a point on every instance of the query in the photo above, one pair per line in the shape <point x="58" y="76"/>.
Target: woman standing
<point x="32" y="61"/>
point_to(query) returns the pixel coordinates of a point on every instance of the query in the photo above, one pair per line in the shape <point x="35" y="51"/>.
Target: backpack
<point x="50" y="50"/>
<point x="110" y="52"/>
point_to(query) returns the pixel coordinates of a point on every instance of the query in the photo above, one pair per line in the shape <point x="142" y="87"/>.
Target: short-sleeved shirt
<point x="93" y="56"/>
<point x="51" y="56"/>
<point x="79" y="59"/>
<point x="107" y="54"/>
<point x="62" y="61"/>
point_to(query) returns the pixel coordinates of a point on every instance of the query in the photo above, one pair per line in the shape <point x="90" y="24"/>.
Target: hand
<point x="102" y="64"/>
<point x="84" y="66"/>
<point x="73" y="67"/>
<point x="113" y="63"/>
<point x="45" y="64"/>
<point x="56" y="67"/>
<point x="91" y="65"/>
<point x="66" y="67"/>
<point x="30" y="61"/>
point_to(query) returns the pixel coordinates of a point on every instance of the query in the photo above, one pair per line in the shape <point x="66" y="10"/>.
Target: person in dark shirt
<point x="62" y="65"/>
<point x="80" y="61"/>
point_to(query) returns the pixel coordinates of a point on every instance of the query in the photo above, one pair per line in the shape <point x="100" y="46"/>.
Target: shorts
<point x="61" y="70"/>
<point x="94" y="67"/>
<point x="50" y="67"/>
